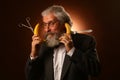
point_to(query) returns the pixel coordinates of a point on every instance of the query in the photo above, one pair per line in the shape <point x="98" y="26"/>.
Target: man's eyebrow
<point x="50" y="21"/>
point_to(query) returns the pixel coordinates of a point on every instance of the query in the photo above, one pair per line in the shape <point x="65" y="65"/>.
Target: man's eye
<point x="51" y="23"/>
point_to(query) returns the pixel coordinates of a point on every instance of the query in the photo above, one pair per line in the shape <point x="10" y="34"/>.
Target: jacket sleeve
<point x="85" y="56"/>
<point x="34" y="68"/>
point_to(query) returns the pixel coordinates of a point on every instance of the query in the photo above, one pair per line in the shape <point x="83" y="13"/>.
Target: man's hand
<point x="67" y="41"/>
<point x="36" y="40"/>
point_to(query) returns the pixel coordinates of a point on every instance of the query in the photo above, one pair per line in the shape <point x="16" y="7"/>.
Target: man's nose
<point x="48" y="29"/>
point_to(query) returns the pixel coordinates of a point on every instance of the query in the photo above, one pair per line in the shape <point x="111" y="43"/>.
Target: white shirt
<point x="59" y="55"/>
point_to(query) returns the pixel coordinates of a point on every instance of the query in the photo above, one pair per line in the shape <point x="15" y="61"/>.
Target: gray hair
<point x="59" y="12"/>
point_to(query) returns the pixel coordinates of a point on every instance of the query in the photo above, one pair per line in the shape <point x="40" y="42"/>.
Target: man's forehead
<point x="48" y="17"/>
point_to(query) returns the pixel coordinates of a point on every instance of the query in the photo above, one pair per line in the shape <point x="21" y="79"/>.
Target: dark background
<point x="102" y="15"/>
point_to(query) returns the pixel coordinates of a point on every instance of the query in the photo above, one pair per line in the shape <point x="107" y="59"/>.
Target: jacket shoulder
<point x="82" y="40"/>
<point x="82" y="36"/>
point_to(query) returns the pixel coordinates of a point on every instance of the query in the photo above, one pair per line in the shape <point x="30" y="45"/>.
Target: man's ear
<point x="62" y="28"/>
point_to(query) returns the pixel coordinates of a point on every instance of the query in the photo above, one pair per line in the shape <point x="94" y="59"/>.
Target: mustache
<point x="53" y="34"/>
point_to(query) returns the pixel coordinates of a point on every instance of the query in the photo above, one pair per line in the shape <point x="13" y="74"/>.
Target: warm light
<point x="78" y="22"/>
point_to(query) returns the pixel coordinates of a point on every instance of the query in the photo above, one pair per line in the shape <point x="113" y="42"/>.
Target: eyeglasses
<point x="50" y="23"/>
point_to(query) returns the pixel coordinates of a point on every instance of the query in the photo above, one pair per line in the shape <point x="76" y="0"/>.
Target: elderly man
<point x="61" y="56"/>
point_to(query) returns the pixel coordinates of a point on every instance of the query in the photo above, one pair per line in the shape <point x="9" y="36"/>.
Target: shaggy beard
<point x="52" y="39"/>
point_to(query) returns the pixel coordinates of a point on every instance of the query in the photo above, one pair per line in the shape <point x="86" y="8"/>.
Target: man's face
<point x="51" y="23"/>
<point x="53" y="29"/>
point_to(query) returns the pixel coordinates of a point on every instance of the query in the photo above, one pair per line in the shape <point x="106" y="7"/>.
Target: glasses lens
<point x="50" y="23"/>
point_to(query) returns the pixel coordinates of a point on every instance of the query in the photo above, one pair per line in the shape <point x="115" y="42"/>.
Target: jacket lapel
<point x="66" y="65"/>
<point x="49" y="71"/>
